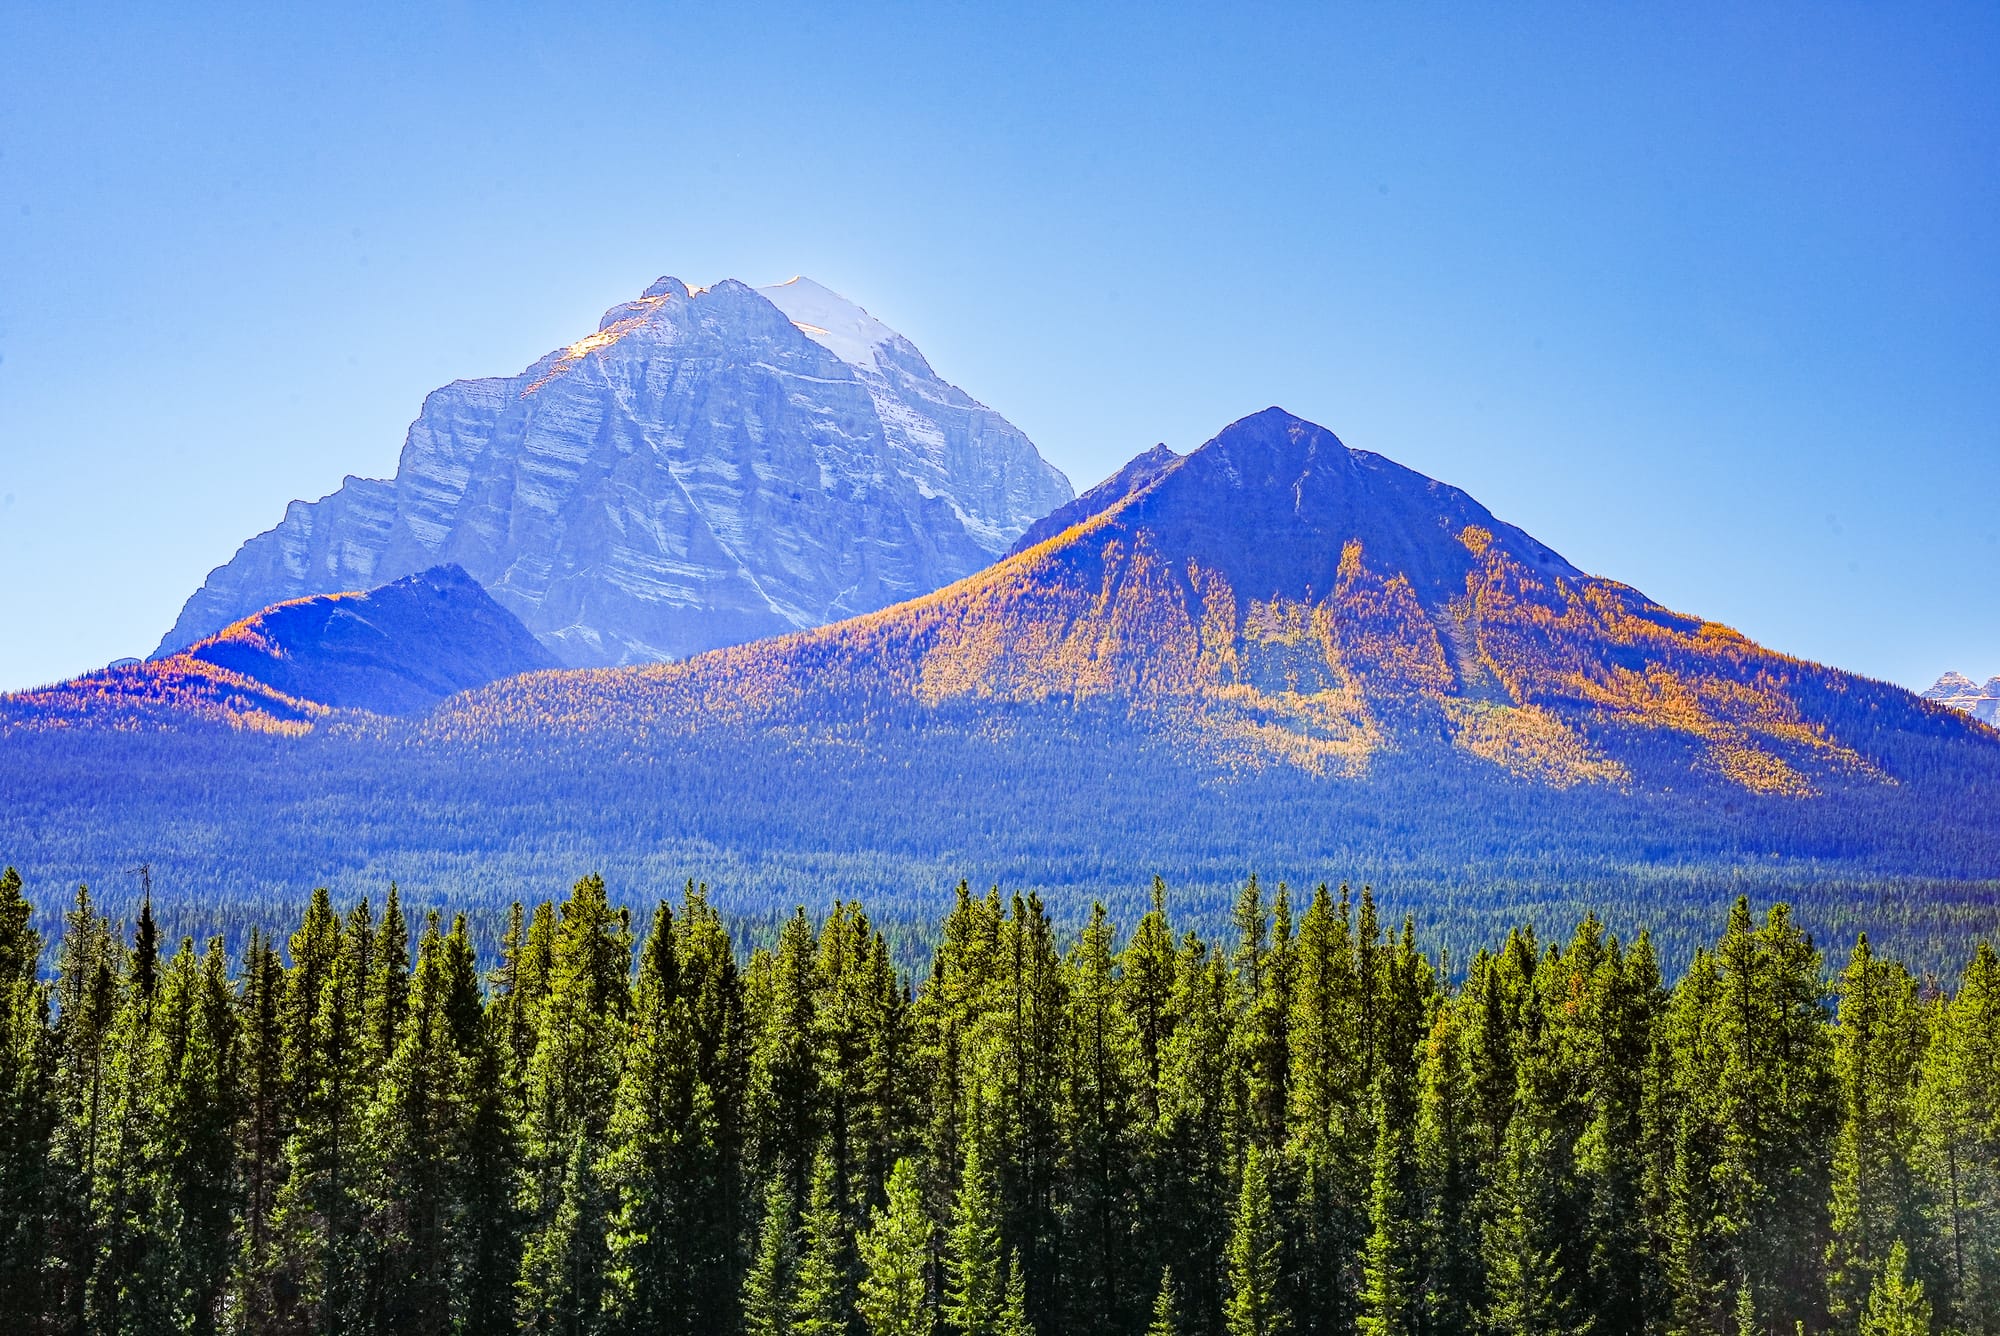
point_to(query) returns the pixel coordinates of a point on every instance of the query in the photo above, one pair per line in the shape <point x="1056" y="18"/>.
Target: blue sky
<point x="1706" y="299"/>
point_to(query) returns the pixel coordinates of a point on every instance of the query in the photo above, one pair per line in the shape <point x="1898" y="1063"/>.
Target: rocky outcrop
<point x="709" y="467"/>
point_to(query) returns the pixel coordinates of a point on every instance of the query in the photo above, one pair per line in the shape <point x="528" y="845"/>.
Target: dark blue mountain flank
<point x="396" y="650"/>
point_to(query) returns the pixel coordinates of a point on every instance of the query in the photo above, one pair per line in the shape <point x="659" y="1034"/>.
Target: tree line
<point x="1307" y="1125"/>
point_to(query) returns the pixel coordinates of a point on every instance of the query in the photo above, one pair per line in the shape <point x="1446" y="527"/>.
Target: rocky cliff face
<point x="1962" y="693"/>
<point x="708" y="468"/>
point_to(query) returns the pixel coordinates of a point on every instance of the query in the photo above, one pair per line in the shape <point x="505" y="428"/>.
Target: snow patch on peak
<point x="1963" y="694"/>
<point x="830" y="320"/>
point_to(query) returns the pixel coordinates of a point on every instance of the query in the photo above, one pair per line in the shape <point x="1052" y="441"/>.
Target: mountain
<point x="1141" y="470"/>
<point x="396" y="650"/>
<point x="1276" y="598"/>
<point x="1272" y="654"/>
<point x="707" y="468"/>
<point x="1962" y="693"/>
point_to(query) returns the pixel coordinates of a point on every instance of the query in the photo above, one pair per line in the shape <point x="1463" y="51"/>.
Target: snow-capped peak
<point x="830" y="320"/>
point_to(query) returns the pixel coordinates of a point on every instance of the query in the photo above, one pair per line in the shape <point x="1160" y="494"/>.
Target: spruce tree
<point x="713" y="1145"/>
<point x="820" y="1299"/>
<point x="1014" y="1307"/>
<point x="27" y="1112"/>
<point x="1255" y="1305"/>
<point x="1896" y="1304"/>
<point x="894" y="1252"/>
<point x="645" y="1159"/>
<point x="1453" y="1290"/>
<point x="1392" y="1273"/>
<point x="973" y="1283"/>
<point x="1958" y="1146"/>
<point x="1166" y="1307"/>
<point x="767" y="1284"/>
<point x="570" y="1095"/>
<point x="420" y="1129"/>
<point x="1878" y="1049"/>
<point x="785" y="1072"/>
<point x="316" y="1221"/>
<point x="1192" y="1141"/>
<point x="564" y="1263"/>
<point x="114" y="1288"/>
<point x="1102" y="1138"/>
<point x="88" y="987"/>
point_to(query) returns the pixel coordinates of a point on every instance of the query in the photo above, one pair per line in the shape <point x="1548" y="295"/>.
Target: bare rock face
<point x="710" y="467"/>
<point x="1963" y="694"/>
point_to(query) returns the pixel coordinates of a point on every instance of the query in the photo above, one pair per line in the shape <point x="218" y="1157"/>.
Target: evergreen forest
<point x="1306" y="1122"/>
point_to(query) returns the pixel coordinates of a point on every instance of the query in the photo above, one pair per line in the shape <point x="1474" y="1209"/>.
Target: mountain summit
<point x="397" y="650"/>
<point x="1276" y="597"/>
<point x="709" y="467"/>
<point x="1963" y="694"/>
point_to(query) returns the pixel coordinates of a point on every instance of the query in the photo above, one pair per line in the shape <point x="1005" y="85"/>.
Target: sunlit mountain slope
<point x="1276" y="598"/>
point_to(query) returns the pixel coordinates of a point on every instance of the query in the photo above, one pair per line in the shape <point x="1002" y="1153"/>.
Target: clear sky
<point x="1706" y="298"/>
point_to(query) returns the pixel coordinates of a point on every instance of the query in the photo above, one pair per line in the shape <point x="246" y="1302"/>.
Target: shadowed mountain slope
<point x="395" y="650"/>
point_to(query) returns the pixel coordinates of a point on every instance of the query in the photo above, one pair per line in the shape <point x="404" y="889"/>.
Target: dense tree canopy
<point x="1307" y="1126"/>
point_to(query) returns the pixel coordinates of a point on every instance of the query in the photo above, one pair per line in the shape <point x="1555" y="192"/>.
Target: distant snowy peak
<point x="830" y="320"/>
<point x="1962" y="693"/>
<point x="708" y="466"/>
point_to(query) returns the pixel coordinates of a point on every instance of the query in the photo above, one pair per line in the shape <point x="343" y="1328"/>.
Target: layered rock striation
<point x="707" y="468"/>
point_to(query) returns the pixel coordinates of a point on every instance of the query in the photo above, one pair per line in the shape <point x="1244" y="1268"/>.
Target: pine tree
<point x="1102" y="1138"/>
<point x="570" y="1095"/>
<point x="644" y="1160"/>
<point x="785" y="1074"/>
<point x="1255" y="1306"/>
<point x="1530" y="1240"/>
<point x="767" y="1285"/>
<point x="183" y="1160"/>
<point x="88" y="988"/>
<point x="564" y="1264"/>
<point x="820" y="1300"/>
<point x="115" y="1291"/>
<point x="421" y="1129"/>
<point x="894" y="1250"/>
<point x="1263" y="967"/>
<point x="1328" y="1091"/>
<point x="1146" y="990"/>
<point x="1025" y="1070"/>
<point x="1014" y="1307"/>
<point x="1878" y="1048"/>
<point x="265" y="1112"/>
<point x="388" y="983"/>
<point x="1896" y="1304"/>
<point x="1392" y="1274"/>
<point x="712" y="1146"/>
<point x="1612" y="1043"/>
<point x="974" y="1287"/>
<point x="1166" y="1307"/>
<point x="27" y="1111"/>
<point x="486" y="1217"/>
<point x="316" y="1222"/>
<point x="1453" y="1291"/>
<point x="1958" y="1145"/>
<point x="1192" y="1142"/>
